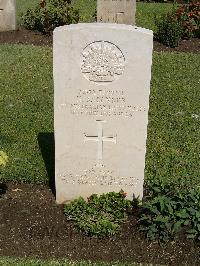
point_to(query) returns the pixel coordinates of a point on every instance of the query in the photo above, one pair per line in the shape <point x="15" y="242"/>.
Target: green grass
<point x="144" y="15"/>
<point x="146" y="12"/>
<point x="86" y="9"/>
<point x="35" y="262"/>
<point x="173" y="135"/>
<point x="23" y="5"/>
<point x="27" y="112"/>
<point x="26" y="102"/>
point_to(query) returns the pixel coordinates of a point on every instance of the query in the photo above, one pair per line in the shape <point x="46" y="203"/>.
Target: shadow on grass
<point x="47" y="147"/>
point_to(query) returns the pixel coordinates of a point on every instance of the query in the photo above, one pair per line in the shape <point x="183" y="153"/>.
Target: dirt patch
<point x="23" y="36"/>
<point x="33" y="225"/>
<point x="185" y="46"/>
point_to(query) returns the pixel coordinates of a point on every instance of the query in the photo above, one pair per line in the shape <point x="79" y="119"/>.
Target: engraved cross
<point x="100" y="139"/>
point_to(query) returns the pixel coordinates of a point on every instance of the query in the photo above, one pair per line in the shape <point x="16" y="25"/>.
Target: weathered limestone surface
<point x="102" y="78"/>
<point x="116" y="11"/>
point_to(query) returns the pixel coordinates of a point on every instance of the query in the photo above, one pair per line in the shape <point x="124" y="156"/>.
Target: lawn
<point x="173" y="142"/>
<point x="27" y="115"/>
<point x="26" y="109"/>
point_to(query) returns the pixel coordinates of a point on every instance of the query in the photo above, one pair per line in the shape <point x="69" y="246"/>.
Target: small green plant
<point x="3" y="158"/>
<point x="191" y="213"/>
<point x="156" y="220"/>
<point x="100" y="215"/>
<point x="163" y="216"/>
<point x="50" y="14"/>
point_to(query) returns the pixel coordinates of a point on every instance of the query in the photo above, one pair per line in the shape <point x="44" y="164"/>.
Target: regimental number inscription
<point x="102" y="61"/>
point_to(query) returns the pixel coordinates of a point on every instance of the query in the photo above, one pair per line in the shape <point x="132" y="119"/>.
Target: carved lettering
<point x="98" y="175"/>
<point x="103" y="102"/>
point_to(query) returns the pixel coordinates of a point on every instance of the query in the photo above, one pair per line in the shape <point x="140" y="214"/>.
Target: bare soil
<point x="33" y="225"/>
<point x="23" y="36"/>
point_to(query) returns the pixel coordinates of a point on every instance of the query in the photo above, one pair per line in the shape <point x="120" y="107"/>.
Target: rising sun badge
<point x="102" y="61"/>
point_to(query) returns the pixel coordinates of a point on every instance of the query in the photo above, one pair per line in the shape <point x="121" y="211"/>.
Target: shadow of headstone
<point x="3" y="188"/>
<point x="47" y="147"/>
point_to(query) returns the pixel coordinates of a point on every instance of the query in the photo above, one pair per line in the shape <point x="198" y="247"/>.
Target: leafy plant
<point x="189" y="16"/>
<point x="192" y="213"/>
<point x="156" y="220"/>
<point x="163" y="216"/>
<point x="50" y="14"/>
<point x="169" y="29"/>
<point x="100" y="215"/>
<point x="184" y="22"/>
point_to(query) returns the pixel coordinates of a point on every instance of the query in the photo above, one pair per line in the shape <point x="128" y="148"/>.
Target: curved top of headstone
<point x="104" y="26"/>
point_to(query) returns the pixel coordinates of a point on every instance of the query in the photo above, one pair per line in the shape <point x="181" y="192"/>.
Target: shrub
<point x="182" y="23"/>
<point x="100" y="215"/>
<point x="50" y="14"/>
<point x="189" y="16"/>
<point x="165" y="215"/>
<point x="169" y="30"/>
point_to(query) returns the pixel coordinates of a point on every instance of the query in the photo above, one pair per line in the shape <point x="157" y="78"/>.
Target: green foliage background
<point x="26" y="100"/>
<point x="145" y="12"/>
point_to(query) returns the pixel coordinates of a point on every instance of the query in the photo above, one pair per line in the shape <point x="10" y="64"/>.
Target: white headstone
<point x="116" y="11"/>
<point x="102" y="78"/>
<point x="8" y="15"/>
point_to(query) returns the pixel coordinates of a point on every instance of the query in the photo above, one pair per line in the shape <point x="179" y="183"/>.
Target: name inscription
<point x="102" y="102"/>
